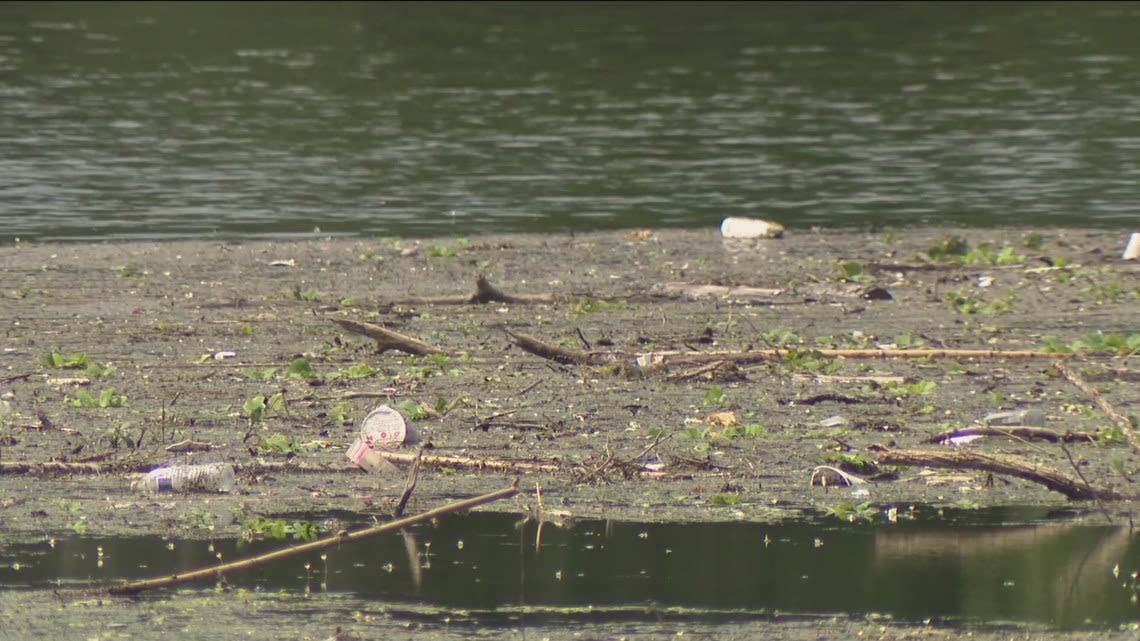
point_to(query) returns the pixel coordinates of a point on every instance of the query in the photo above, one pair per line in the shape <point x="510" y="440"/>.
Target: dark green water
<point x="271" y="119"/>
<point x="964" y="568"/>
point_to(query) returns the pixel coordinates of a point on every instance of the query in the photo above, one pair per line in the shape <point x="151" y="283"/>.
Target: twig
<point x="1016" y="431"/>
<point x="754" y="356"/>
<point x="485" y="292"/>
<point x="708" y="368"/>
<point x="575" y="357"/>
<point x="337" y="539"/>
<point x="1123" y="423"/>
<point x="582" y="337"/>
<point x="530" y="387"/>
<point x="818" y="473"/>
<point x="409" y="485"/>
<point x="1077" y="470"/>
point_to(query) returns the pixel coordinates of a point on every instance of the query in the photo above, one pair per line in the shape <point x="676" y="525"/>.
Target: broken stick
<point x="386" y="339"/>
<point x="485" y="292"/>
<point x="1017" y="431"/>
<point x="998" y="464"/>
<point x="1123" y="423"/>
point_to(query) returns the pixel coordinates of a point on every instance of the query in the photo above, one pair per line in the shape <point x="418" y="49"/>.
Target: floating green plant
<point x="57" y="360"/>
<point x="107" y="398"/>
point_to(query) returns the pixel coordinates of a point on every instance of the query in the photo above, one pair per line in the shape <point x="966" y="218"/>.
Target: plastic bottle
<point x="1031" y="417"/>
<point x="211" y="477"/>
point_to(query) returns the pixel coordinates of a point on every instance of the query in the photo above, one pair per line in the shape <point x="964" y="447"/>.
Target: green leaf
<point x="301" y="369"/>
<point x="254" y="408"/>
<point x="276" y="403"/>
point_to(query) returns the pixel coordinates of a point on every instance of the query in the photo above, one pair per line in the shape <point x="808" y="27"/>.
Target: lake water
<point x="132" y="120"/>
<point x="952" y="568"/>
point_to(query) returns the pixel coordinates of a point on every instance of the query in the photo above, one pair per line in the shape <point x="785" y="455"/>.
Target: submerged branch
<point x="335" y="540"/>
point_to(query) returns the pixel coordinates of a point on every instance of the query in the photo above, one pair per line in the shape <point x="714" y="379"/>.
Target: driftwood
<point x="1017" y="431"/>
<point x="755" y="356"/>
<point x="387" y="339"/>
<point x="47" y="468"/>
<point x="695" y="291"/>
<point x="485" y="292"/>
<point x="409" y="485"/>
<point x="998" y="464"/>
<point x="568" y="356"/>
<point x="335" y="540"/>
<point x="1123" y="423"/>
<point x="560" y="354"/>
<point x="824" y="379"/>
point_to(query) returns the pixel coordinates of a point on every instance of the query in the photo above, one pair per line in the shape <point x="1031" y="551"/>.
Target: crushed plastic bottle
<point x="1031" y="417"/>
<point x="210" y="477"/>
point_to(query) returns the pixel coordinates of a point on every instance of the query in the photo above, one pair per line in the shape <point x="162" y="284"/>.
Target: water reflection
<point x="1060" y="574"/>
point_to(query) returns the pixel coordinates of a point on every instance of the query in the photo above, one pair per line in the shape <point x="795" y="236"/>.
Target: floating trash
<point x="383" y="429"/>
<point x="1031" y="417"/>
<point x="733" y="227"/>
<point x="210" y="477"/>
<point x="653" y="463"/>
<point x="833" y="421"/>
<point x="1132" y="249"/>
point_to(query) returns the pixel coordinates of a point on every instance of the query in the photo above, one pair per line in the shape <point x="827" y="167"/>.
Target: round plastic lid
<point x="384" y="428"/>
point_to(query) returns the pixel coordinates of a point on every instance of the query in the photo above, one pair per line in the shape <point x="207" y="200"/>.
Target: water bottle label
<point x="165" y="484"/>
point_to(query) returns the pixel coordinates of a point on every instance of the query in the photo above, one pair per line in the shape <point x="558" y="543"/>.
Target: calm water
<point x="978" y="571"/>
<point x="234" y="119"/>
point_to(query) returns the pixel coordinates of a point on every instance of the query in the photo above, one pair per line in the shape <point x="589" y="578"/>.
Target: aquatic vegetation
<point x="725" y="499"/>
<point x="300" y="368"/>
<point x="278" y="529"/>
<point x="716" y="396"/>
<point x="288" y="445"/>
<point x="56" y="360"/>
<point x="853" y="512"/>
<point x="343" y="413"/>
<point x="259" y="374"/>
<point x="105" y="399"/>
<point x="258" y="407"/>
<point x="1096" y="343"/>
<point x="589" y="305"/>
<point x="311" y="294"/>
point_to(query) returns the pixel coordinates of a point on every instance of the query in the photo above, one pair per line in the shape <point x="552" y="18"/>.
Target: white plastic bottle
<point x="210" y="477"/>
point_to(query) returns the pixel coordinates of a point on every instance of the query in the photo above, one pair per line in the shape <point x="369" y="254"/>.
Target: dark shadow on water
<point x="972" y="567"/>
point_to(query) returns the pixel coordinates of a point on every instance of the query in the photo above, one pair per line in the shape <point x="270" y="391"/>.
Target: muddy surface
<point x="165" y="315"/>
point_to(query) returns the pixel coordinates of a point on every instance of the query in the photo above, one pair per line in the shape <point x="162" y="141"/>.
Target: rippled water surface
<point x="234" y="119"/>
<point x="970" y="568"/>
